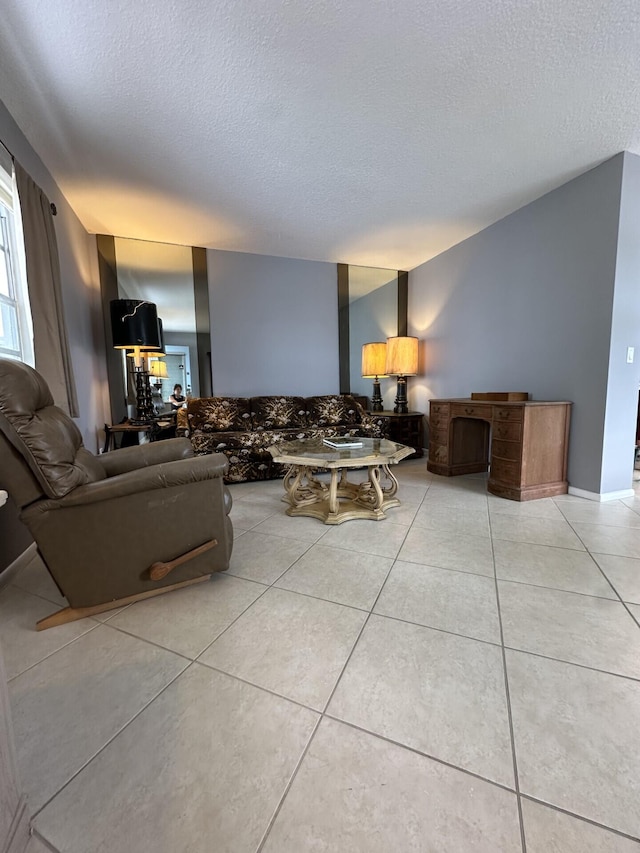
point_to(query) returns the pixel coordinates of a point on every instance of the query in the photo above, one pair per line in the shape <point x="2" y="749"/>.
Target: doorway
<point x="179" y="370"/>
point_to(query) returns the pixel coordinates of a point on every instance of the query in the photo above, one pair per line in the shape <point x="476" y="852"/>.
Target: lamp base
<point x="401" y="403"/>
<point x="144" y="400"/>
<point x="376" y="398"/>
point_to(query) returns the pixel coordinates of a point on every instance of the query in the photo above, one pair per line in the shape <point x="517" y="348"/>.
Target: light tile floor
<point x="462" y="676"/>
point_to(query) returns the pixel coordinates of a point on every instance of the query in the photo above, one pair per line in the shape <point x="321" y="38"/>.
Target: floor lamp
<point x="134" y="326"/>
<point x="402" y="361"/>
<point x="374" y="358"/>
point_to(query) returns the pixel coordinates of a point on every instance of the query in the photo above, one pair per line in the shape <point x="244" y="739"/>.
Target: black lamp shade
<point x="134" y="323"/>
<point x="161" y="337"/>
<point x="159" y="351"/>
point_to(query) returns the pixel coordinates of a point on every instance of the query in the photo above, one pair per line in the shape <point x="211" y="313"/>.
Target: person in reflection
<point x="177" y="399"/>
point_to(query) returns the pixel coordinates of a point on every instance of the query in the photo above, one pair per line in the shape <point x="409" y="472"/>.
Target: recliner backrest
<point x="46" y="437"/>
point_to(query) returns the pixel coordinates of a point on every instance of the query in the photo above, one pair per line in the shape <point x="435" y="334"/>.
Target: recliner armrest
<point x="156" y="452"/>
<point x="174" y="473"/>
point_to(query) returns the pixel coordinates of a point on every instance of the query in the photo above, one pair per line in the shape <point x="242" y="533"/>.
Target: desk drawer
<point x="438" y="421"/>
<point x="507" y="431"/>
<point x="463" y="410"/>
<point x="506" y="450"/>
<point x="439" y="409"/>
<point x="505" y="471"/>
<point x="438" y="436"/>
<point x="513" y="413"/>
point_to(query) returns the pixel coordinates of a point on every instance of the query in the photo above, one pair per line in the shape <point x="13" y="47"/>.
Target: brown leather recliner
<point x="115" y="528"/>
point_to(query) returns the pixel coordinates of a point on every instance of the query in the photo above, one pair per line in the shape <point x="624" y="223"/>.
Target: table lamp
<point x="374" y="357"/>
<point x="158" y="369"/>
<point x="134" y="326"/>
<point x="402" y="361"/>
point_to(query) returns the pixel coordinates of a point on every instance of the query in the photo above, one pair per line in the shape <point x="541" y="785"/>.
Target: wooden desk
<point x="528" y="444"/>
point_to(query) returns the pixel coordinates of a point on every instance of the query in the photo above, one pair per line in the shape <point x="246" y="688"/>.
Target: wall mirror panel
<point x="372" y="307"/>
<point x="174" y="278"/>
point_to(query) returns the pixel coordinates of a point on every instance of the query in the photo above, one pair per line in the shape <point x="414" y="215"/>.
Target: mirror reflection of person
<point x="177" y="399"/>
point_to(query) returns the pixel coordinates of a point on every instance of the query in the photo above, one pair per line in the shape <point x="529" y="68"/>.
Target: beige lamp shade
<point x="374" y="358"/>
<point x="402" y="356"/>
<point x="158" y="368"/>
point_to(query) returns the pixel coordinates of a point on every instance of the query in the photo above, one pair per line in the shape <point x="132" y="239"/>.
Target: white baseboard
<point x="602" y="496"/>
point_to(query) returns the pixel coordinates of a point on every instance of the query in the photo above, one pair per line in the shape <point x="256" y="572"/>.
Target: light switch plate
<point x="630" y="351"/>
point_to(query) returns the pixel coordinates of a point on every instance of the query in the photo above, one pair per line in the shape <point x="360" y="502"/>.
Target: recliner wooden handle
<point x="160" y="570"/>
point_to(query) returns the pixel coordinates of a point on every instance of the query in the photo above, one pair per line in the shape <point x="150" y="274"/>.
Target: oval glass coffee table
<point x="339" y="500"/>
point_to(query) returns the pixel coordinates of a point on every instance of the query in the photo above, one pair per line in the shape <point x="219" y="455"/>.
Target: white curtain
<point x="51" y="345"/>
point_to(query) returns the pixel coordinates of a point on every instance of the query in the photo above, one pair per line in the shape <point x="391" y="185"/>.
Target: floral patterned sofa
<point x="244" y="427"/>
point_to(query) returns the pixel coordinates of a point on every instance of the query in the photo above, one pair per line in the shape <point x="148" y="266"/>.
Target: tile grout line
<point x="263" y="593"/>
<point x="333" y="718"/>
<point x="267" y="588"/>
<point x="604" y="574"/>
<point x="558" y="589"/>
<point x="55" y="652"/>
<point x="420" y="753"/>
<point x="261" y="687"/>
<point x="633" y="678"/>
<point x="580" y="817"/>
<point x="129" y="633"/>
<point x="323" y="712"/>
<point x="287" y="787"/>
<point x="190" y="661"/>
<point x="110" y="740"/>
<point x="518" y="794"/>
<point x="326" y="705"/>
<point x="366" y="622"/>
<point x="233" y="622"/>
<point x="470" y="637"/>
<point x="41" y="838"/>
<point x="523" y="840"/>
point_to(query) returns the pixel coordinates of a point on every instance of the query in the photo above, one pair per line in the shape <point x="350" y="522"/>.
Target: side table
<point x="164" y="427"/>
<point x="406" y="429"/>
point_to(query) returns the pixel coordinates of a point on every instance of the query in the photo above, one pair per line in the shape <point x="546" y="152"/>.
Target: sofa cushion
<point x="268" y="413"/>
<point x="219" y="414"/>
<point x="250" y="441"/>
<point x="331" y="410"/>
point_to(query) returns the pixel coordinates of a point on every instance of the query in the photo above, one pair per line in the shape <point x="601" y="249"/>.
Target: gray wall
<point x="81" y="296"/>
<point x="526" y="305"/>
<point x="274" y="325"/>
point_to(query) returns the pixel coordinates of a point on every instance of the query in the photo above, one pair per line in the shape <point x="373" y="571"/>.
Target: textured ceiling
<point x="375" y="132"/>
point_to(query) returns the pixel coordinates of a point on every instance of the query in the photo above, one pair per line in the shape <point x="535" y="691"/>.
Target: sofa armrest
<point x="155" y="453"/>
<point x="175" y="473"/>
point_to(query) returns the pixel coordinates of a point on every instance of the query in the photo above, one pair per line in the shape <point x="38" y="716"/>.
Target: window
<point x="16" y="330"/>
